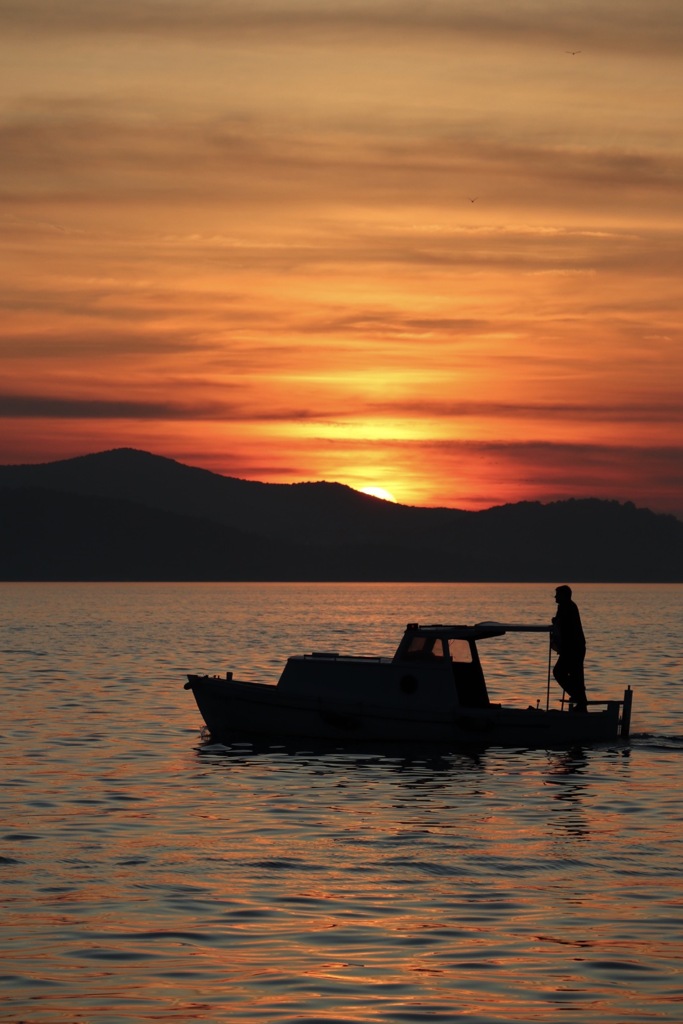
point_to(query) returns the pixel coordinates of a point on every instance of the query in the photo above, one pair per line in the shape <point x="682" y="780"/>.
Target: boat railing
<point x="624" y="706"/>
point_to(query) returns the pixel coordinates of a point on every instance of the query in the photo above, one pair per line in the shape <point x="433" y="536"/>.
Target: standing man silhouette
<point x="569" y="642"/>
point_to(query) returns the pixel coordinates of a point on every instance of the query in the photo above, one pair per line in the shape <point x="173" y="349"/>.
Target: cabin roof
<point x="479" y="631"/>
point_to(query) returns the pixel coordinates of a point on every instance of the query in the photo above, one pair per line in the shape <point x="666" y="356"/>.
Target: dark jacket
<point x="568" y="638"/>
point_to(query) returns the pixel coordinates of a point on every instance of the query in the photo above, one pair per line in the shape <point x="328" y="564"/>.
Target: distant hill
<point x="127" y="514"/>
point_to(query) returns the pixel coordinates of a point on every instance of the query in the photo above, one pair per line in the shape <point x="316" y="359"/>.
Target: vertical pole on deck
<point x="547" y="688"/>
<point x="626" y="712"/>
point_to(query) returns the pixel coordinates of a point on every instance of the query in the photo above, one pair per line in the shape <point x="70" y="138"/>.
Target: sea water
<point x="149" y="875"/>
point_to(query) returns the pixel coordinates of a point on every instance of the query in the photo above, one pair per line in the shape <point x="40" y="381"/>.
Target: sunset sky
<point x="413" y="244"/>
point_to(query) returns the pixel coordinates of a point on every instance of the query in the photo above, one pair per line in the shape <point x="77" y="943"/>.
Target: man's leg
<point x="576" y="686"/>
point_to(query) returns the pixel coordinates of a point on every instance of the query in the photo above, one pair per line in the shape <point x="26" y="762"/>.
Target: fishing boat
<point x="432" y="690"/>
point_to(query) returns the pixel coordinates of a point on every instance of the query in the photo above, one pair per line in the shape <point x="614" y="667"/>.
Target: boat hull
<point x="238" y="710"/>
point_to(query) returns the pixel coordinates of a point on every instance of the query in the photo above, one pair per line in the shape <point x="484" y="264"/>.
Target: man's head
<point x="563" y="593"/>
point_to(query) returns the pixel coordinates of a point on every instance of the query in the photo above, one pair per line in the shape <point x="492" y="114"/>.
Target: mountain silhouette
<point x="130" y="515"/>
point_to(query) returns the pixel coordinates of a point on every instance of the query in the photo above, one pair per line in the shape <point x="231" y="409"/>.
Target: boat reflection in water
<point x="433" y="690"/>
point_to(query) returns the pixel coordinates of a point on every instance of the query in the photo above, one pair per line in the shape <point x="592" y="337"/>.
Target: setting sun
<point x="378" y="492"/>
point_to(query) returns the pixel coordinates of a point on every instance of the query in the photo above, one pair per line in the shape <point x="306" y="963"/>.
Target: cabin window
<point x="417" y="646"/>
<point x="460" y="651"/>
<point x="425" y="647"/>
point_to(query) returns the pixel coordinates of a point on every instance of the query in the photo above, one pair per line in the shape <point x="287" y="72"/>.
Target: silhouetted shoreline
<point x="129" y="515"/>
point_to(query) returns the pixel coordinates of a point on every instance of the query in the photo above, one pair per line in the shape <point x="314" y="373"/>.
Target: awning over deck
<point x="479" y="631"/>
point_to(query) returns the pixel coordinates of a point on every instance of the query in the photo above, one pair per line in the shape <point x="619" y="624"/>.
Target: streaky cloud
<point x="652" y="412"/>
<point x="26" y="406"/>
<point x="260" y="164"/>
<point x="638" y="27"/>
<point x="46" y="407"/>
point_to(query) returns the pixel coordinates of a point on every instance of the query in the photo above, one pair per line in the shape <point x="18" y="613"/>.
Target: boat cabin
<point x="453" y="649"/>
<point x="434" y="667"/>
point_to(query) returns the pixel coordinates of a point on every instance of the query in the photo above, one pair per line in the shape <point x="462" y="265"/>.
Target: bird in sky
<point x="473" y="200"/>
<point x="573" y="52"/>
